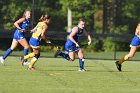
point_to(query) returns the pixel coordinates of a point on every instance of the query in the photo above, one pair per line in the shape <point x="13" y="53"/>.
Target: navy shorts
<point x="18" y="35"/>
<point x="71" y="47"/>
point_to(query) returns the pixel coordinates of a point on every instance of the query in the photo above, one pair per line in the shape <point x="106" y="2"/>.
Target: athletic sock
<point x="25" y="53"/>
<point x="123" y="59"/>
<point x="7" y="53"/>
<point x="29" y="56"/>
<point x="81" y="64"/>
<point x="32" y="62"/>
<point x="64" y="55"/>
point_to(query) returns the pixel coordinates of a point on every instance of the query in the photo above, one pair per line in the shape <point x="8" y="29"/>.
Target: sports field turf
<point x="56" y="75"/>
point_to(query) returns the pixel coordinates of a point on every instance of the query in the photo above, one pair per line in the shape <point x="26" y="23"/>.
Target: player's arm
<point x="88" y="36"/>
<point x="44" y="28"/>
<point x="136" y="32"/>
<point x="73" y="33"/>
<point x="21" y="20"/>
<point x="33" y="30"/>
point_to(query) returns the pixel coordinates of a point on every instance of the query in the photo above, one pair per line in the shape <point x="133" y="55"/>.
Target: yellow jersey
<point x="38" y="30"/>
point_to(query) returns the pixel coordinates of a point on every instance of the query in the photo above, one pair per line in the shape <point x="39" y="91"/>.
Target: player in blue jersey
<point x="135" y="44"/>
<point x="19" y="38"/>
<point x="72" y="46"/>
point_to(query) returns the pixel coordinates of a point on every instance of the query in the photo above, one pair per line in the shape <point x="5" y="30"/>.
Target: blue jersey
<point x="70" y="46"/>
<point x="135" y="41"/>
<point x="18" y="35"/>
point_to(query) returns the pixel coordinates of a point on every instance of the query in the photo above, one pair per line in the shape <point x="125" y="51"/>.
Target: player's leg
<point x="35" y="58"/>
<point x="9" y="51"/>
<point x="62" y="54"/>
<point x="129" y="55"/>
<point x="25" y="44"/>
<point x="126" y="57"/>
<point x="71" y="56"/>
<point x="135" y="43"/>
<point x="81" y="60"/>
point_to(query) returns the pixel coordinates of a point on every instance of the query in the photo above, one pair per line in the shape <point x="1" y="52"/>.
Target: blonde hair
<point x="25" y="12"/>
<point x="81" y="19"/>
<point x="137" y="31"/>
<point x="44" y="17"/>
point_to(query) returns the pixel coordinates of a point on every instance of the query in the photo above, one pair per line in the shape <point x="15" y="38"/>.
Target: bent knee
<point x="26" y="47"/>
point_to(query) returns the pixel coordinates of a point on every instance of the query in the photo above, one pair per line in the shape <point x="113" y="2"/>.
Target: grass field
<point x="55" y="75"/>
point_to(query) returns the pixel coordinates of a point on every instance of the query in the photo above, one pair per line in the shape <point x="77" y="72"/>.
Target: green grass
<point x="92" y="55"/>
<point x="56" y="75"/>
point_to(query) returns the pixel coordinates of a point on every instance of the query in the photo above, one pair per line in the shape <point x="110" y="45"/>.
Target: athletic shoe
<point x="22" y="60"/>
<point x="26" y="63"/>
<point x="82" y="70"/>
<point x="32" y="69"/>
<point x="1" y="60"/>
<point x="57" y="53"/>
<point x="119" y="66"/>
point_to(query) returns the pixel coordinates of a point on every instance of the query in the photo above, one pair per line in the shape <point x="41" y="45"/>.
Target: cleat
<point x="22" y="60"/>
<point x="119" y="66"/>
<point x="82" y="70"/>
<point x="1" y="60"/>
<point x="32" y="69"/>
<point x="57" y="53"/>
<point x="26" y="63"/>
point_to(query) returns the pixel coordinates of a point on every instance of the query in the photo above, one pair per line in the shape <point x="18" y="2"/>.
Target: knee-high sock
<point x="66" y="56"/>
<point x="81" y="63"/>
<point x="123" y="59"/>
<point x="7" y="53"/>
<point x="34" y="59"/>
<point x="25" y="53"/>
<point x="31" y="55"/>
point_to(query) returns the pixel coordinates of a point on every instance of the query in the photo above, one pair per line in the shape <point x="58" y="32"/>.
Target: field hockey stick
<point x="50" y="43"/>
<point x="83" y="45"/>
<point x="25" y="30"/>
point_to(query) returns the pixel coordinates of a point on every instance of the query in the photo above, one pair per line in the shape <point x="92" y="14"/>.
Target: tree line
<point x="102" y="17"/>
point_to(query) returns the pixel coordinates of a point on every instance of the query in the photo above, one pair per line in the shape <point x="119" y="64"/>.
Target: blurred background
<point x="111" y="24"/>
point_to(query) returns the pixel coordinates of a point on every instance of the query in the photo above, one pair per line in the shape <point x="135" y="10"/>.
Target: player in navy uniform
<point x="72" y="46"/>
<point x="19" y="38"/>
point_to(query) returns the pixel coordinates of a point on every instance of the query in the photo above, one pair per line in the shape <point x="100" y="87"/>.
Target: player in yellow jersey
<point x="38" y="33"/>
<point x="135" y="44"/>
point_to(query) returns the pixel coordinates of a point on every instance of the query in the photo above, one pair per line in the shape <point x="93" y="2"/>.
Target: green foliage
<point x="119" y="30"/>
<point x="95" y="46"/>
<point x="92" y="10"/>
<point x="49" y="48"/>
<point x="80" y="9"/>
<point x="109" y="45"/>
<point x="11" y="11"/>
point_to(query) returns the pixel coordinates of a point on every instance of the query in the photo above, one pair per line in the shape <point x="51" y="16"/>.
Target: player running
<point x="19" y="38"/>
<point x="135" y="44"/>
<point x="38" y="34"/>
<point x="72" y="46"/>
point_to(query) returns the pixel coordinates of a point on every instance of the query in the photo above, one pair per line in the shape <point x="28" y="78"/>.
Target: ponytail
<point x="44" y="17"/>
